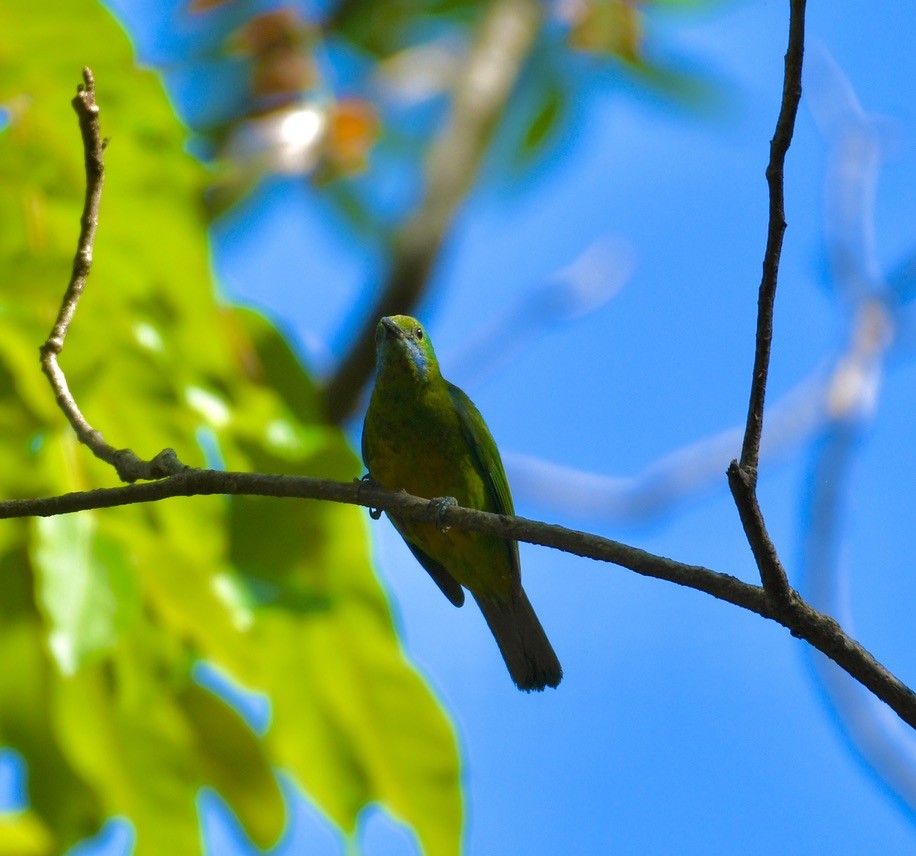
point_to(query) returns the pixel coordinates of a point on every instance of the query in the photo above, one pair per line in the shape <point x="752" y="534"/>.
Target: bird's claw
<point x="374" y="513"/>
<point x="439" y="506"/>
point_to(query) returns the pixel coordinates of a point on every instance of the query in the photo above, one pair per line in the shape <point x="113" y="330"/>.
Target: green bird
<point x="425" y="436"/>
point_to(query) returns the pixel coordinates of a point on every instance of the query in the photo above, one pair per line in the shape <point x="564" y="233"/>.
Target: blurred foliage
<point x="346" y="98"/>
<point x="104" y="615"/>
<point x="23" y="834"/>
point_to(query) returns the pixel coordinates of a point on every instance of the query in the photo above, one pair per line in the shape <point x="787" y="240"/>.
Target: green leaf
<point x="130" y="741"/>
<point x="85" y="585"/>
<point x="545" y="121"/>
<point x="232" y="759"/>
<point x="382" y="27"/>
<point x="148" y="738"/>
<point x="23" y="834"/>
<point x="61" y="800"/>
<point x="280" y="595"/>
<point x="353" y="699"/>
<point x="375" y="711"/>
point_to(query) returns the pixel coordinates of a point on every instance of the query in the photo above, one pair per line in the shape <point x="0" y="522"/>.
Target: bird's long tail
<point x="522" y="641"/>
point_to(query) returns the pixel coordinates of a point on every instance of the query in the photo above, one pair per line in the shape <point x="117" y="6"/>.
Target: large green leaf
<point x="103" y="616"/>
<point x="23" y="834"/>
<point x="147" y="753"/>
<point x="322" y="617"/>
<point x="85" y="585"/>
<point x="27" y="684"/>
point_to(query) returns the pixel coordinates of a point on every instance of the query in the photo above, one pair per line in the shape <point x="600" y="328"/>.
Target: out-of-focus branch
<point x="595" y="277"/>
<point x="129" y="467"/>
<point x="678" y="477"/>
<point x="873" y="303"/>
<point x="854" y="154"/>
<point x="742" y="477"/>
<point x="884" y="742"/>
<point x="502" y="44"/>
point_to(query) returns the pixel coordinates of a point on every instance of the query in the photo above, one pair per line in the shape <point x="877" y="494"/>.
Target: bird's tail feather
<point x="522" y="641"/>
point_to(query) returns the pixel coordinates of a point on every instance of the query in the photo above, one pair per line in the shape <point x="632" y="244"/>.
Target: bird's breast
<point x="423" y="451"/>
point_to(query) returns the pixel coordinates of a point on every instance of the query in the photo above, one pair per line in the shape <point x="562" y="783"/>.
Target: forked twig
<point x="742" y="476"/>
<point x="129" y="466"/>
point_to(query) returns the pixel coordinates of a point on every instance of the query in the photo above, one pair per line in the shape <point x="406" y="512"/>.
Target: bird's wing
<point x="449" y="586"/>
<point x="483" y="447"/>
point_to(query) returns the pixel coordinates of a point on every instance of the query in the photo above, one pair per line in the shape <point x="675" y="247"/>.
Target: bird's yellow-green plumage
<point x="425" y="436"/>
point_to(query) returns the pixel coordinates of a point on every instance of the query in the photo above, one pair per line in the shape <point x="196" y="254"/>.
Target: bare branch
<point x="772" y="573"/>
<point x="779" y="146"/>
<point x="500" y="49"/>
<point x="129" y="467"/>
<point x="742" y="478"/>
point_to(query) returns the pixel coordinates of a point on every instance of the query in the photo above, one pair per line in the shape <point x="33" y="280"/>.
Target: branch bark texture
<point x="775" y="173"/>
<point x="742" y="476"/>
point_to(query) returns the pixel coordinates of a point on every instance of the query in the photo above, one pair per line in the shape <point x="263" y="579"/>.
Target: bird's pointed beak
<point x="392" y="330"/>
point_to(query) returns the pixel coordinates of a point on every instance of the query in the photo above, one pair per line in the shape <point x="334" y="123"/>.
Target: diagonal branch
<point x="742" y="477"/>
<point x="803" y="621"/>
<point x="128" y="466"/>
<point x="499" y="51"/>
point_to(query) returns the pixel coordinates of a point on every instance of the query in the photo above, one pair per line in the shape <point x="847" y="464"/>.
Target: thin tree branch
<point x="802" y="620"/>
<point x="742" y="477"/>
<point x="499" y="51"/>
<point x="772" y="574"/>
<point x="128" y="466"/>
<point x="779" y="146"/>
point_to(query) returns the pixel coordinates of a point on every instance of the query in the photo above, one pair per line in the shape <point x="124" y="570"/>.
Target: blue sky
<point x="683" y="724"/>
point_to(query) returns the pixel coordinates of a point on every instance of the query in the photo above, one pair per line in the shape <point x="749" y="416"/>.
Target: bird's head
<point x="402" y="345"/>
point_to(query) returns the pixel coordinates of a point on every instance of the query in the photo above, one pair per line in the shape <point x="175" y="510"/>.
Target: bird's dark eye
<point x="419" y="333"/>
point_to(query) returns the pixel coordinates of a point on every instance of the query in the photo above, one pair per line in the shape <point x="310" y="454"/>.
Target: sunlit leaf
<point x="608" y="26"/>
<point x="129" y="599"/>
<point x="85" y="585"/>
<point x="23" y="834"/>
<point x="354" y="129"/>
<point x="352" y="696"/>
